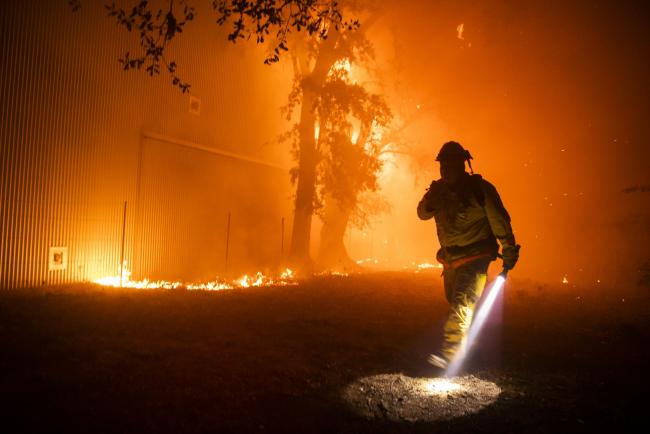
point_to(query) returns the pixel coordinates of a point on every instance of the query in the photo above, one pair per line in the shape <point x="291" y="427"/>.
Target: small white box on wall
<point x="58" y="258"/>
<point x="195" y="105"/>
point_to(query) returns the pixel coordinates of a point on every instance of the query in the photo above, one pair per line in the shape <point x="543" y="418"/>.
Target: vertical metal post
<point x="227" y="240"/>
<point x="122" y="248"/>
<point x="282" y="240"/>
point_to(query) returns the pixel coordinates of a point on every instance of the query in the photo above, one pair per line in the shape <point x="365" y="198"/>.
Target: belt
<point x="462" y="261"/>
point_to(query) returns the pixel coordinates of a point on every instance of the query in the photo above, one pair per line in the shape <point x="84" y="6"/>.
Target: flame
<point x="423" y="266"/>
<point x="257" y="280"/>
<point x="126" y="281"/>
<point x="459" y="30"/>
<point x="332" y="273"/>
<point x="287" y="274"/>
<point x="342" y="65"/>
<point x="427" y="265"/>
<point x="354" y="137"/>
<point x="287" y="277"/>
<point x="368" y="261"/>
<point x="415" y="267"/>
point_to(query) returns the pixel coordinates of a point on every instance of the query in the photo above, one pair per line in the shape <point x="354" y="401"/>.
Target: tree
<point x="333" y="168"/>
<point x="311" y="67"/>
<point x="350" y="162"/>
<point x="157" y="26"/>
<point x="328" y="177"/>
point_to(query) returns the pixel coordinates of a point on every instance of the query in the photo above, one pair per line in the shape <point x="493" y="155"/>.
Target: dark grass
<point x="85" y="359"/>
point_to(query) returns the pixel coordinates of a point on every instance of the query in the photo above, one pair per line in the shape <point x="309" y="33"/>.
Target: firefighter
<point x="470" y="219"/>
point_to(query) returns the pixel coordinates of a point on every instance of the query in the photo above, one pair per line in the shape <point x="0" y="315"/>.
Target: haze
<point x="551" y="99"/>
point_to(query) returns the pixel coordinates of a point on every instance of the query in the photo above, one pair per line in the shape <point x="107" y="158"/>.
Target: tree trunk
<point x="308" y="159"/>
<point x="306" y="188"/>
<point x="332" y="253"/>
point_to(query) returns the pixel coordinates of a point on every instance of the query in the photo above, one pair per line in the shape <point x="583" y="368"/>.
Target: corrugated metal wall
<point x="181" y="231"/>
<point x="74" y="149"/>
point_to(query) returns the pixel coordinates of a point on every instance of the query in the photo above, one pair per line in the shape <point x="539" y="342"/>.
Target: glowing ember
<point x="459" y="30"/>
<point x="287" y="277"/>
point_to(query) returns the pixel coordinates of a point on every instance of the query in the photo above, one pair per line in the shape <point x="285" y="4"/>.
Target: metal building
<point x="80" y="138"/>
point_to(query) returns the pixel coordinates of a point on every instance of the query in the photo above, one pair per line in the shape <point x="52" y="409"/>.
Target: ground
<point x="279" y="359"/>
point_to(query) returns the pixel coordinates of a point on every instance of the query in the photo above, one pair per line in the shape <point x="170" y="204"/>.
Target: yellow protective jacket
<point x="469" y="217"/>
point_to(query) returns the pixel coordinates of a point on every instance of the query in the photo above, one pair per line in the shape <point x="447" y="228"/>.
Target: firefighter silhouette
<point x="471" y="222"/>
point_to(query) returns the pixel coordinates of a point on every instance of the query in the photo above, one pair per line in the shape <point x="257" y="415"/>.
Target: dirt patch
<point x="399" y="398"/>
<point x="277" y="359"/>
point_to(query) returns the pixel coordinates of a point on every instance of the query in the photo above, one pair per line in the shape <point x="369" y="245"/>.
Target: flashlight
<point x="477" y="324"/>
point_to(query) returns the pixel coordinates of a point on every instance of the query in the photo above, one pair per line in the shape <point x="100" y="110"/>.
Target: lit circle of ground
<point x="399" y="398"/>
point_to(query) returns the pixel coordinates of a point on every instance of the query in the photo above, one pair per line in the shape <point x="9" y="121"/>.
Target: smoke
<point x="551" y="101"/>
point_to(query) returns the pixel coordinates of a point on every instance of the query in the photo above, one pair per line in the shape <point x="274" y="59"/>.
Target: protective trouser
<point x="463" y="287"/>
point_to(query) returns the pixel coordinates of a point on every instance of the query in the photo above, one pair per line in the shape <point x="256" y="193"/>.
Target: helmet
<point x="453" y="151"/>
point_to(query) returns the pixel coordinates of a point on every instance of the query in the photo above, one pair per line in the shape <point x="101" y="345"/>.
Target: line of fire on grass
<point x="374" y="262"/>
<point x="259" y="279"/>
<point x="123" y="280"/>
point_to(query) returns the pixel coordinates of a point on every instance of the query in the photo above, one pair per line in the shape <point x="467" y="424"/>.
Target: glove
<point x="432" y="195"/>
<point x="510" y="257"/>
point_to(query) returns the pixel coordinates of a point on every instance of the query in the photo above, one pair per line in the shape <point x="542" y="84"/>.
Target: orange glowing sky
<point x="552" y="99"/>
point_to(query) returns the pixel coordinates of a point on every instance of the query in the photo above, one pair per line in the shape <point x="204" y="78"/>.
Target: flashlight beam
<point x="476" y="326"/>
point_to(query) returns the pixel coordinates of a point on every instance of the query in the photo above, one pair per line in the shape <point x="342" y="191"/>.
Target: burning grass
<point x="284" y="278"/>
<point x="123" y="280"/>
